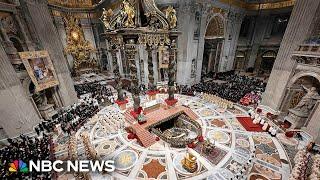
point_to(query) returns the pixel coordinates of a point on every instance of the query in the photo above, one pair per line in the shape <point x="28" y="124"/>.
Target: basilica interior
<point x="167" y="89"/>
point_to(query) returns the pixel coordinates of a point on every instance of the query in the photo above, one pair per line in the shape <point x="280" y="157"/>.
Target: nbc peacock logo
<point x="18" y="166"/>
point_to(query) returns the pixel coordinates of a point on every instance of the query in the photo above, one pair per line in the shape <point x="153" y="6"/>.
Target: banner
<point x="40" y="69"/>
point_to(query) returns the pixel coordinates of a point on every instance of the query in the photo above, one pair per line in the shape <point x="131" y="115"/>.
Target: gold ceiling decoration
<point x="72" y="3"/>
<point x="125" y="16"/>
<point x="215" y="28"/>
<point x="216" y="10"/>
<point x="257" y="6"/>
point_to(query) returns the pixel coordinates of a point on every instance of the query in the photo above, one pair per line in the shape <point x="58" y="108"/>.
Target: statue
<point x="128" y="14"/>
<point x="118" y="22"/>
<point x="106" y="17"/>
<point x="308" y="101"/>
<point x="299" y="114"/>
<point x="171" y="17"/>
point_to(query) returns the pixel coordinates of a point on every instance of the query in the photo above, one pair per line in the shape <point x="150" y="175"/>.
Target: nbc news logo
<point x="18" y="166"/>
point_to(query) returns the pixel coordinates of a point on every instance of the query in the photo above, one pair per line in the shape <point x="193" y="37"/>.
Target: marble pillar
<point x="88" y="34"/>
<point x="63" y="36"/>
<point x="187" y="48"/>
<point x="49" y="40"/>
<point x="17" y="112"/>
<point x="301" y="17"/>
<point x="231" y="37"/>
<point x="259" y="31"/>
<point x="200" y="45"/>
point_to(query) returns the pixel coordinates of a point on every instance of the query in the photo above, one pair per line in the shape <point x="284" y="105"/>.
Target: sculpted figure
<point x="129" y="14"/>
<point x="105" y="18"/>
<point x="171" y="17"/>
<point x="308" y="101"/>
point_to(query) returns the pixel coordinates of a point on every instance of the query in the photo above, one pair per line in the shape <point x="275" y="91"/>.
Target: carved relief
<point x="314" y="61"/>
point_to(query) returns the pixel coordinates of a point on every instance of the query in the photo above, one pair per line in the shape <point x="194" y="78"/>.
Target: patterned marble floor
<point x="234" y="148"/>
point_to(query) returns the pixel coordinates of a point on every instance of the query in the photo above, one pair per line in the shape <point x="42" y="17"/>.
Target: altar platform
<point x="153" y="118"/>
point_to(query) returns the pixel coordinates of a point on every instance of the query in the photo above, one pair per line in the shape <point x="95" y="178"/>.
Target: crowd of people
<point x="231" y="86"/>
<point x="25" y="148"/>
<point x="301" y="161"/>
<point x="70" y="119"/>
<point x="95" y="88"/>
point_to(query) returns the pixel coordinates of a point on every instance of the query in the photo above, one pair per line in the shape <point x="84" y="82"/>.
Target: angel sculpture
<point x="171" y="17"/>
<point x="129" y="14"/>
<point x="106" y="17"/>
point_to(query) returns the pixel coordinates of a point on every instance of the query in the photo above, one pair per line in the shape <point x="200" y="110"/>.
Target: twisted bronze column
<point x="130" y="54"/>
<point x="172" y="69"/>
<point x="116" y="73"/>
<point x="151" y="85"/>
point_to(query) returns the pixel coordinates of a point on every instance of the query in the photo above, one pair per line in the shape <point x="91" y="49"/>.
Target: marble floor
<point x="235" y="147"/>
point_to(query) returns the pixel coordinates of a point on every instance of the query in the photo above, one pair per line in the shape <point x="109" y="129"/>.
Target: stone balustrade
<point x="307" y="54"/>
<point x="308" y="50"/>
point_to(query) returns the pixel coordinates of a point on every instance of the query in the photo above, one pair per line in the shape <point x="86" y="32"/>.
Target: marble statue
<point x="308" y="101"/>
<point x="299" y="114"/>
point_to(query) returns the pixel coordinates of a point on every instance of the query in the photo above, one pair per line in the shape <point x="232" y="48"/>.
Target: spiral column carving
<point x="116" y="72"/>
<point x="130" y="51"/>
<point x="150" y="69"/>
<point x="172" y="68"/>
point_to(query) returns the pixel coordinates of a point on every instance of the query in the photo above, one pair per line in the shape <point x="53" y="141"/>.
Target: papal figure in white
<point x="308" y="101"/>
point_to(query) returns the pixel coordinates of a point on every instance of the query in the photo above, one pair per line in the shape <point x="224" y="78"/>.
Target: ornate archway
<point x="214" y="37"/>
